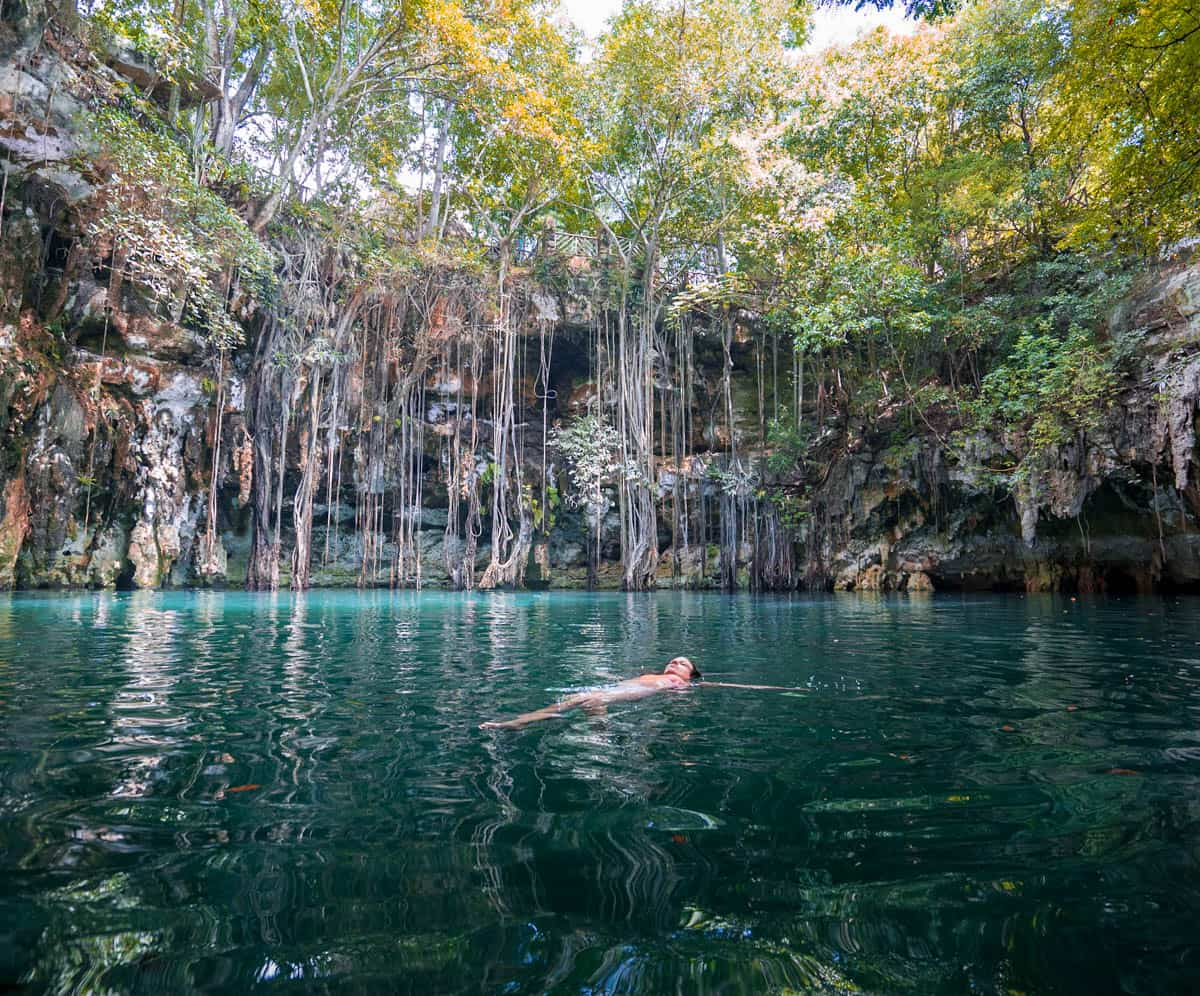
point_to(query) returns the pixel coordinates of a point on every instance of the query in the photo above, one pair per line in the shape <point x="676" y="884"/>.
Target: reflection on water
<point x="224" y="792"/>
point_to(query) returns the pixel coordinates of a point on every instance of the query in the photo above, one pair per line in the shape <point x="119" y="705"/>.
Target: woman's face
<point x="682" y="667"/>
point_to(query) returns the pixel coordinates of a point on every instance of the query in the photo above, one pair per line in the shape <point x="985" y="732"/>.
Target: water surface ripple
<point x="230" y="793"/>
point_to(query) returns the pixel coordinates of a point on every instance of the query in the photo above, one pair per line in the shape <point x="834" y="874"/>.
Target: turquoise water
<point x="231" y="793"/>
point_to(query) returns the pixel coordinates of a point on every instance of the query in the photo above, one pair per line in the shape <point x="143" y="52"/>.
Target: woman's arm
<point x="625" y="691"/>
<point x="580" y="700"/>
<point x="550" y="712"/>
<point x="757" y="688"/>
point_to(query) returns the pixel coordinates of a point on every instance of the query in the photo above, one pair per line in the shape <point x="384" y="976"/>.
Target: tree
<point x="240" y="37"/>
<point x="672" y="84"/>
<point x="928" y="9"/>
<point x="223" y="45"/>
<point x="510" y="145"/>
<point x="513" y="135"/>
<point x="340" y="60"/>
<point x="1127" y="104"/>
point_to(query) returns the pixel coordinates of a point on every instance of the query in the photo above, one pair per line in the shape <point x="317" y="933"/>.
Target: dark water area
<point x="232" y="793"/>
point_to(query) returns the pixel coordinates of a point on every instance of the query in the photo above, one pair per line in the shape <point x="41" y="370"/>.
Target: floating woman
<point x="679" y="674"/>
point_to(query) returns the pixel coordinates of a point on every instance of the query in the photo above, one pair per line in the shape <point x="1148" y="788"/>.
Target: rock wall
<point x="1113" y="511"/>
<point x="110" y="465"/>
<point x="109" y="472"/>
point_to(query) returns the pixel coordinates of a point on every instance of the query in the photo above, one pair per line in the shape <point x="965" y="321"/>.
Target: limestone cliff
<point x="1116" y="510"/>
<point x="132" y="452"/>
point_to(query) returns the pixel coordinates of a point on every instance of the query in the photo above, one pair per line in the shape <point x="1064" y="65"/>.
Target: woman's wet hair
<point x="688" y="661"/>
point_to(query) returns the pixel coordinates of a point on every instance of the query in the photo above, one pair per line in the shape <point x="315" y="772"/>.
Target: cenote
<point x="220" y="792"/>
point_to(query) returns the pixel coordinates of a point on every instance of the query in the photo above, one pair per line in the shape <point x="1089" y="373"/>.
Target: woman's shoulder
<point x="652" y="680"/>
<point x="661" y="681"/>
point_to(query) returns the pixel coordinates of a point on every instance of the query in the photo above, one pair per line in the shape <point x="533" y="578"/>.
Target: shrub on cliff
<point x="163" y="231"/>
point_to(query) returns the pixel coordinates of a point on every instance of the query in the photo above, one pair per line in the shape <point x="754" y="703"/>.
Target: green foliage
<point x="868" y="298"/>
<point x="58" y="325"/>
<point x="1050" y="387"/>
<point x="553" y="273"/>
<point x="1054" y="370"/>
<point x="901" y="453"/>
<point x="544" y="518"/>
<point x="176" y="239"/>
<point x="946" y="220"/>
<point x="671" y="87"/>
<point x="1011" y="125"/>
<point x="929" y="9"/>
<point x="590" y="448"/>
<point x="714" y="297"/>
<point x="736" y="482"/>
<point x="793" y="510"/>
<point x="788" y="444"/>
<point x="148" y="29"/>
<point x="514" y="137"/>
<point x="1127" y="106"/>
<point x="937" y="224"/>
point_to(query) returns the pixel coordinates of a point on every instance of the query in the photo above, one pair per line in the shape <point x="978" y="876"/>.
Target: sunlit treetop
<point x="927" y="9"/>
<point x="670" y="86"/>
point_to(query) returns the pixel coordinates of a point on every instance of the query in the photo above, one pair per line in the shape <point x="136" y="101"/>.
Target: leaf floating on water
<point x="243" y="788"/>
<point x="1072" y="708"/>
<point x="1008" y="729"/>
<point x="1122" y="771"/>
<point x="675" y="820"/>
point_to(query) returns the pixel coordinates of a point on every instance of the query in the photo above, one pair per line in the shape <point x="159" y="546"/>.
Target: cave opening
<point x="58" y="250"/>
